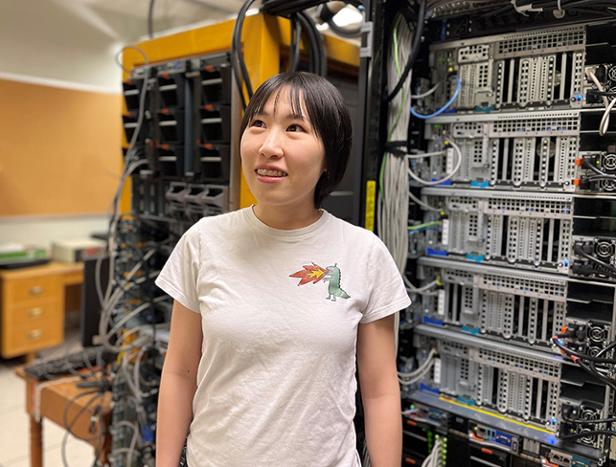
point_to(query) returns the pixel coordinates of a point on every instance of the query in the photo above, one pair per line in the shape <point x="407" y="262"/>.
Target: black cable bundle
<point x="421" y="17"/>
<point x="296" y="37"/>
<point x="237" y="57"/>
<point x="301" y="23"/>
<point x="318" y="59"/>
<point x="288" y="7"/>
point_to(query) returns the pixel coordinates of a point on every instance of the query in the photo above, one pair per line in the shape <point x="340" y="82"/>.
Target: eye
<point x="257" y="123"/>
<point x="296" y="127"/>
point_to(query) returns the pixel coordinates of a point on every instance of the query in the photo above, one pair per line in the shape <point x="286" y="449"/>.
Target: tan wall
<point x="60" y="149"/>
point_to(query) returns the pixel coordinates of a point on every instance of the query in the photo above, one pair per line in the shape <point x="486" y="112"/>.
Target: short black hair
<point x="327" y="114"/>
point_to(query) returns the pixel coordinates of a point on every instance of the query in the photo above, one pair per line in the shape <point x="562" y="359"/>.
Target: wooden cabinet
<point x="32" y="306"/>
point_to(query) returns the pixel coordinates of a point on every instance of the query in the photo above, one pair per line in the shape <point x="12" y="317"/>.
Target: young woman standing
<point x="274" y="303"/>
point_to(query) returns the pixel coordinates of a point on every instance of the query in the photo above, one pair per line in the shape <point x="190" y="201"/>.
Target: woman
<point x="273" y="302"/>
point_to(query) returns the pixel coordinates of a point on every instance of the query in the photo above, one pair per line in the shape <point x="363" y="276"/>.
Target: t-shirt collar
<point x="283" y="234"/>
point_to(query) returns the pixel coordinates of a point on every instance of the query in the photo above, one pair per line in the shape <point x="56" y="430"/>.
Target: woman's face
<point x="282" y="157"/>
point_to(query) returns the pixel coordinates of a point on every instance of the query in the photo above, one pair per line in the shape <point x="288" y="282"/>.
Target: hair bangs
<point x="276" y="88"/>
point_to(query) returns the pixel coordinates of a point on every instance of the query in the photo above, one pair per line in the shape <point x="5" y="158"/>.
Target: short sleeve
<point x="179" y="275"/>
<point x="388" y="293"/>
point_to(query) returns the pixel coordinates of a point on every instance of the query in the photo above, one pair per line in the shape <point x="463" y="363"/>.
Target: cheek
<point x="248" y="148"/>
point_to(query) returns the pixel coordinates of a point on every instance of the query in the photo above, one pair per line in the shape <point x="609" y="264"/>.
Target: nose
<point x="272" y="144"/>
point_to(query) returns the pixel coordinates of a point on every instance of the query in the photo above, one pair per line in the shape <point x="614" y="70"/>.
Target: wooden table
<point x="88" y="418"/>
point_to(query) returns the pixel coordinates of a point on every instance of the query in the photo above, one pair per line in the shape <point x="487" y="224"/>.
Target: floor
<point x="14" y="422"/>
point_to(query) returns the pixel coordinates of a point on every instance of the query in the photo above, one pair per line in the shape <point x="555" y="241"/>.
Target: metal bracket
<point x="365" y="51"/>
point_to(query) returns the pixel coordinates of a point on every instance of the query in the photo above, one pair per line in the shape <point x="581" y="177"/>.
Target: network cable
<point x="413" y="377"/>
<point x="412" y="56"/>
<point x="609" y="105"/>
<point x="447" y="177"/>
<point x="445" y="107"/>
<point x="557" y="341"/>
<point x="392" y="203"/>
<point x="606" y="268"/>
<point x="433" y="459"/>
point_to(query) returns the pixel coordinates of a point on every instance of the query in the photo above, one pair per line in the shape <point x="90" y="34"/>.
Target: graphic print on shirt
<point x="315" y="273"/>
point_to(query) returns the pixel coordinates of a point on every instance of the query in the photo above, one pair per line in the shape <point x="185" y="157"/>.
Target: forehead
<point x="284" y="101"/>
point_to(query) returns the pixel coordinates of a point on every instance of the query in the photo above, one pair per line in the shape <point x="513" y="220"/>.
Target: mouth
<point x="271" y="173"/>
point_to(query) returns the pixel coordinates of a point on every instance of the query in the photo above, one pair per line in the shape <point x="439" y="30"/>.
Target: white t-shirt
<point x="279" y="312"/>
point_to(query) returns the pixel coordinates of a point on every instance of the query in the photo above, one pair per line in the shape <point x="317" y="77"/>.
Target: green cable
<point x="399" y="114"/>
<point x="423" y="226"/>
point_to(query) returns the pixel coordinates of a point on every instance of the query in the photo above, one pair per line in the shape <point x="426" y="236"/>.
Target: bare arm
<point x="378" y="378"/>
<point x="177" y="385"/>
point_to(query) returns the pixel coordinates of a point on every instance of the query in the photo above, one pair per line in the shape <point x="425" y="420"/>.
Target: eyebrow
<point x="289" y="116"/>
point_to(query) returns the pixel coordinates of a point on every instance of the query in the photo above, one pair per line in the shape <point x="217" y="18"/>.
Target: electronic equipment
<point x="76" y="250"/>
<point x="510" y="150"/>
<point x="68" y="364"/>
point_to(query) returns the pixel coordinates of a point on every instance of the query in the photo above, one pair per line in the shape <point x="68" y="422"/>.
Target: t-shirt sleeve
<point x="179" y="275"/>
<point x="388" y="293"/>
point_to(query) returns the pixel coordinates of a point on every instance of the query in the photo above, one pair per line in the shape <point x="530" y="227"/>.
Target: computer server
<point x="508" y="348"/>
<point x="539" y="231"/>
<point x="527" y="107"/>
<point x="185" y="139"/>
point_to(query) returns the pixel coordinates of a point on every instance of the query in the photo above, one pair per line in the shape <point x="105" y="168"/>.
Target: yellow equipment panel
<point x="264" y="37"/>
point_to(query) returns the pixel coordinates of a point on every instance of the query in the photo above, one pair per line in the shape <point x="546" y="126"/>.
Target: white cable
<point x="427" y="93"/>
<point x="423" y="204"/>
<point x="422" y="368"/>
<point x="392" y="207"/>
<point x="131" y="449"/>
<point x="449" y="176"/>
<point x="591" y="74"/>
<point x="414" y="377"/>
<point x="116" y="327"/>
<point x="423" y="288"/>
<point x="129" y="167"/>
<point x="412" y="381"/>
<point x="423" y="155"/>
<point x="392" y="202"/>
<point x="605" y="119"/>
<point x="430" y="460"/>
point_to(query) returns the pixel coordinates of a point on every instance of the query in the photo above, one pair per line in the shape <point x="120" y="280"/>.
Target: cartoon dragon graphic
<point x="315" y="273"/>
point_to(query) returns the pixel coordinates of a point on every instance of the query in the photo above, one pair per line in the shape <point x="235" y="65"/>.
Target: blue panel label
<point x="445" y="183"/>
<point x="430" y="389"/>
<point x="433" y="321"/>
<point x="471" y="330"/>
<point x="476" y="258"/>
<point x="435" y="252"/>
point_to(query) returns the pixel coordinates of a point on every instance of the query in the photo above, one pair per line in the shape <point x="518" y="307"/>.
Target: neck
<point x="287" y="217"/>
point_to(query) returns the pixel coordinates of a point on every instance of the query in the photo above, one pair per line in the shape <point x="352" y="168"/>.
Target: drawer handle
<point x="35" y="334"/>
<point x="35" y="312"/>
<point x="36" y="290"/>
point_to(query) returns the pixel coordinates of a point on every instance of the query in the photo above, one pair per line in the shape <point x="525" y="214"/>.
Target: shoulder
<point x="217" y="222"/>
<point x="213" y="226"/>
<point x="356" y="235"/>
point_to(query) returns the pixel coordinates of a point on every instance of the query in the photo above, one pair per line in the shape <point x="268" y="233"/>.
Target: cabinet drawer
<point x="25" y="338"/>
<point x="33" y="313"/>
<point x="32" y="288"/>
